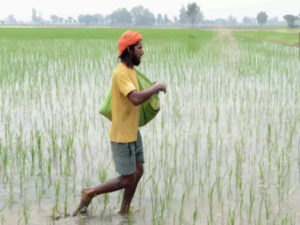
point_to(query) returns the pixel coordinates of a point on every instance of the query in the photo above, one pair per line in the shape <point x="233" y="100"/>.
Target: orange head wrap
<point x="127" y="39"/>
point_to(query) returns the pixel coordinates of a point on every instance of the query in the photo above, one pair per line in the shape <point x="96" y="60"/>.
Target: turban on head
<point x="128" y="38"/>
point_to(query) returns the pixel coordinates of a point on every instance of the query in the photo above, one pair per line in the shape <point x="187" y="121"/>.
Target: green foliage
<point x="56" y="19"/>
<point x="142" y="16"/>
<point x="290" y="19"/>
<point x="262" y="18"/>
<point x="90" y="19"/>
<point x="190" y="14"/>
<point x="121" y="16"/>
<point x="183" y="17"/>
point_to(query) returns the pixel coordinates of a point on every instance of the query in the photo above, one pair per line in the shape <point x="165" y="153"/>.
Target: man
<point x="126" y="141"/>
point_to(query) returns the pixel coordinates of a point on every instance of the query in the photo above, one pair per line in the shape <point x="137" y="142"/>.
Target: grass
<point x="280" y="36"/>
<point x="99" y="33"/>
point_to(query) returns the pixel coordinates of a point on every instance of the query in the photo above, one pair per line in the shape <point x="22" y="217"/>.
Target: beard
<point x="135" y="60"/>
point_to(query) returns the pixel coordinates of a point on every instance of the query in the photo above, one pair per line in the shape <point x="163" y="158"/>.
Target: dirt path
<point x="229" y="48"/>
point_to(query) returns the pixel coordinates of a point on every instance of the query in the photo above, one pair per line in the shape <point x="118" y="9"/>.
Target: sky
<point x="211" y="9"/>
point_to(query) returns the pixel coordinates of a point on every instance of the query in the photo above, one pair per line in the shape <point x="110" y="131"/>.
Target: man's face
<point x="138" y="52"/>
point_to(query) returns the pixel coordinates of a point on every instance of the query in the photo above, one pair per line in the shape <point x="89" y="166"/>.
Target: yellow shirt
<point x="125" y="115"/>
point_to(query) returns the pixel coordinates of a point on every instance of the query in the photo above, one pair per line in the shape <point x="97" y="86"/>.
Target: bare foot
<point x="84" y="202"/>
<point x="123" y="213"/>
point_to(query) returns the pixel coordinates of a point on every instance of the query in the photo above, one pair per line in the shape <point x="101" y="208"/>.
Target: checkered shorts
<point x="126" y="155"/>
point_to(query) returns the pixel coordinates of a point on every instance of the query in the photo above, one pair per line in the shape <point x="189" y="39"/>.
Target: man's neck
<point x="131" y="66"/>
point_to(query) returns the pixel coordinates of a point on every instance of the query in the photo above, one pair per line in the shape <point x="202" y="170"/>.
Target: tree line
<point x="291" y="20"/>
<point x="189" y="15"/>
<point x="138" y="16"/>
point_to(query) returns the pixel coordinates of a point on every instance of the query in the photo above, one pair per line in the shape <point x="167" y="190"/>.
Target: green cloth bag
<point x="148" y="109"/>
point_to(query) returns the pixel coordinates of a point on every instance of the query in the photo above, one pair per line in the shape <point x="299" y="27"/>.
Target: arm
<point x="139" y="97"/>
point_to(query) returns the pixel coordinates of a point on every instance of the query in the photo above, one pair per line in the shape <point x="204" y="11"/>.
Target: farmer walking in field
<point x="126" y="141"/>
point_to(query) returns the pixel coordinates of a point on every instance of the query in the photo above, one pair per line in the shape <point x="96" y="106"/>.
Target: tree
<point x="175" y="19"/>
<point x="90" y="19"/>
<point x="273" y="21"/>
<point x="70" y="20"/>
<point x="166" y="19"/>
<point x="120" y="16"/>
<point x="221" y="21"/>
<point x="54" y="19"/>
<point x="183" y="17"/>
<point x="159" y="19"/>
<point x="190" y="14"/>
<point x="193" y="11"/>
<point x="249" y="20"/>
<point x="142" y="16"/>
<point x="107" y="19"/>
<point x="10" y="19"/>
<point x="59" y="20"/>
<point x="33" y="15"/>
<point x="98" y="18"/>
<point x="262" y="18"/>
<point x="290" y="19"/>
<point x="232" y="20"/>
<point x="36" y="18"/>
<point x="297" y="21"/>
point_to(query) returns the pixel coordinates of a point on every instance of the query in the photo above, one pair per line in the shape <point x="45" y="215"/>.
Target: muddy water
<point x="140" y="213"/>
<point x="43" y="215"/>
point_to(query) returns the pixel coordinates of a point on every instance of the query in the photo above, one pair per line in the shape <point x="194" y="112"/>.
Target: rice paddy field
<point x="224" y="148"/>
<point x="288" y="37"/>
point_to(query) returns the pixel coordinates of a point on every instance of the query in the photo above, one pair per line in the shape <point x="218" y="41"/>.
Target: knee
<point x="128" y="181"/>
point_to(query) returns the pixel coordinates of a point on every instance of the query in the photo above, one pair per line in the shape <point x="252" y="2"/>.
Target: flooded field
<point x="224" y="149"/>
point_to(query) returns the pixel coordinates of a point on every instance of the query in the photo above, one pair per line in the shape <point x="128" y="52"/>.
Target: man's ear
<point x="128" y="49"/>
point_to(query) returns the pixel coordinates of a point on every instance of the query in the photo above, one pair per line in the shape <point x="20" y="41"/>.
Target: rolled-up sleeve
<point x="125" y="84"/>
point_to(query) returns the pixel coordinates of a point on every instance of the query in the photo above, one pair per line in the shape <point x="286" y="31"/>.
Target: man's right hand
<point x="138" y="97"/>
<point x="160" y="86"/>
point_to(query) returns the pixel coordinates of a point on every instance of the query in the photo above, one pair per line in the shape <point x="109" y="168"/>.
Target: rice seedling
<point x="26" y="212"/>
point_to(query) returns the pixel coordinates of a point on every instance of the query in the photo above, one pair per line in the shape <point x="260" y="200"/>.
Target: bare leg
<point x="115" y="184"/>
<point x="129" y="192"/>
